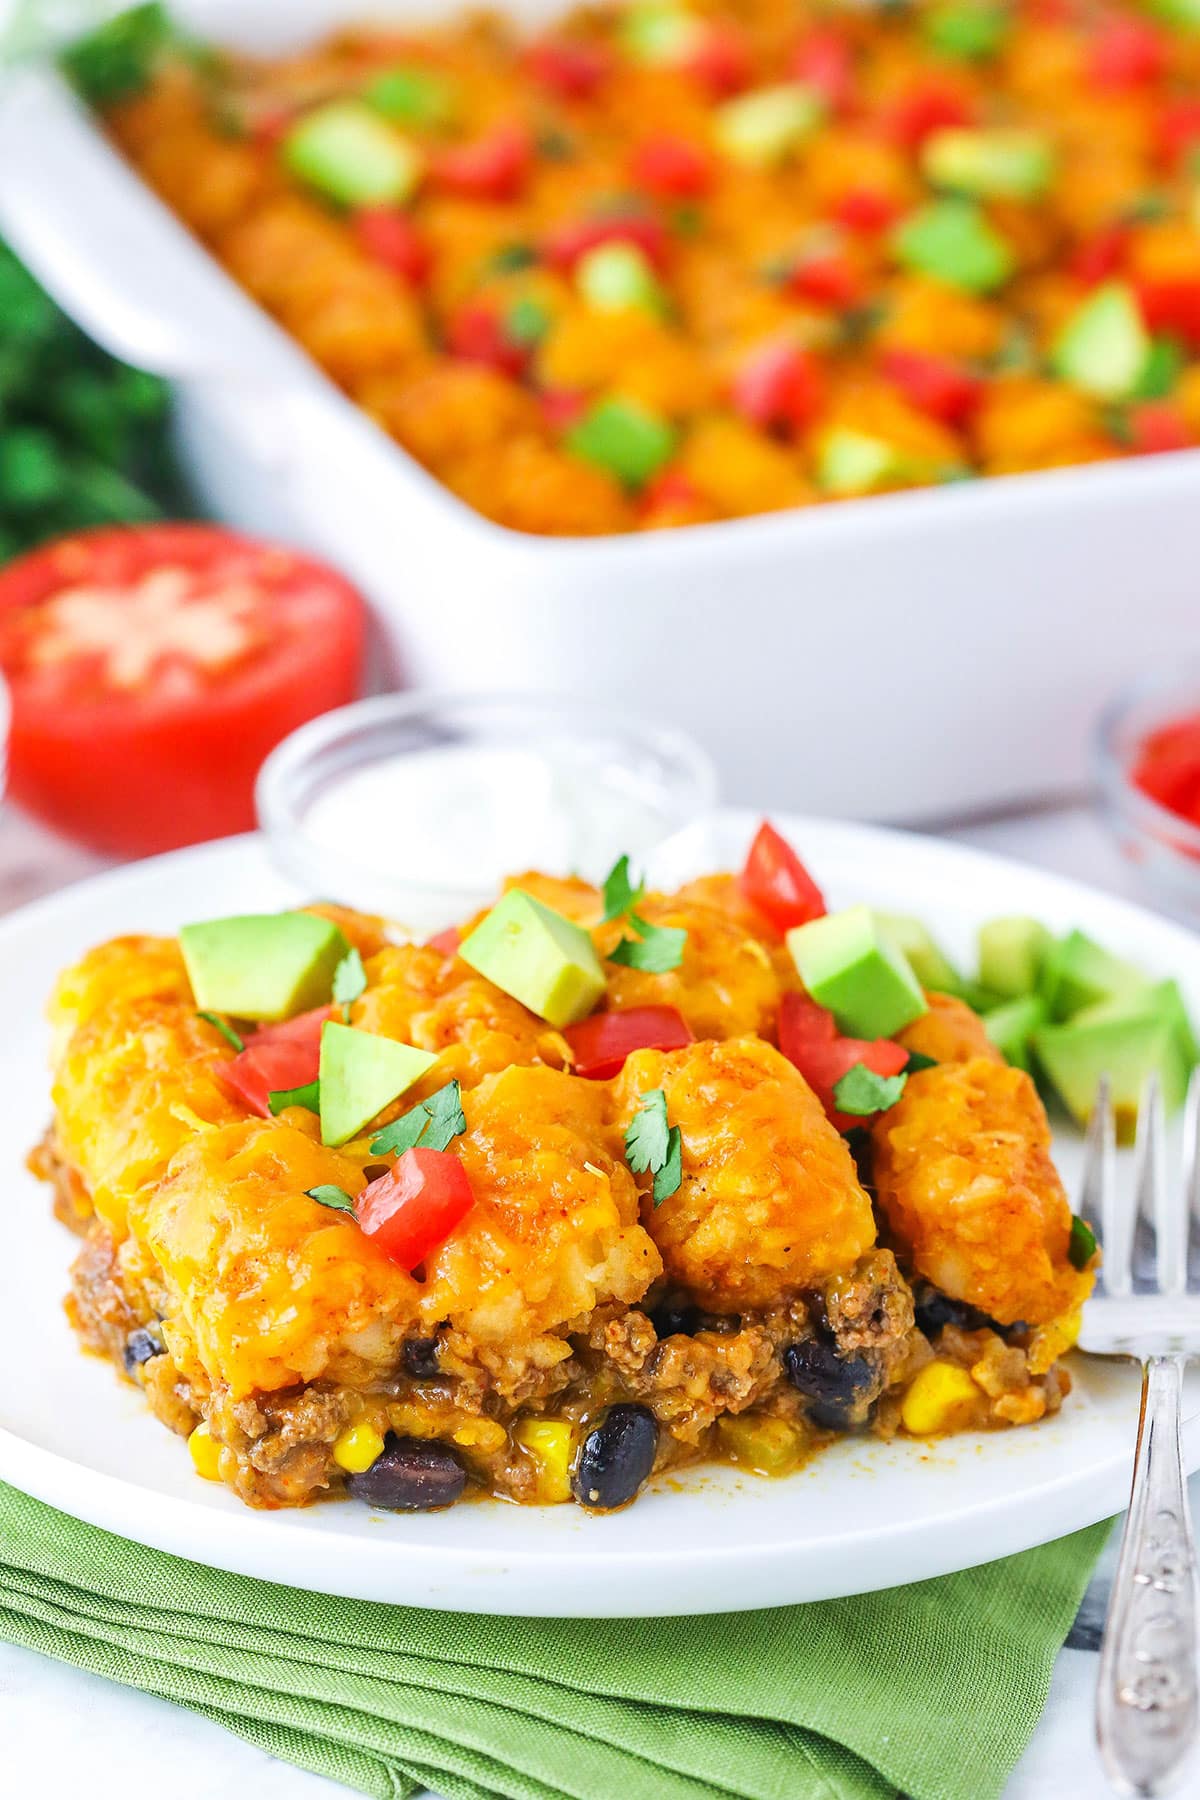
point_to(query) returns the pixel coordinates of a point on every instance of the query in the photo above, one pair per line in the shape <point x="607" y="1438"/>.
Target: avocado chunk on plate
<point x="542" y="959"/>
<point x="263" y="966"/>
<point x="849" y="964"/>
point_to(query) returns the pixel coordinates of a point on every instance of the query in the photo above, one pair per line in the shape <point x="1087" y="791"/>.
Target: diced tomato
<point x="827" y="280"/>
<point x="561" y="408"/>
<point x="720" y="61"/>
<point x="779" y="388"/>
<point x="1172" y="306"/>
<point x="670" y="487"/>
<point x="1099" y="256"/>
<point x="809" y="1038"/>
<point x="476" y="334"/>
<point x="776" y="882"/>
<point x="1157" y="425"/>
<point x="602" y="1042"/>
<point x="492" y="167"/>
<point x="569" y="67"/>
<point x="866" y="210"/>
<point x="1177" y="125"/>
<point x="564" y="247"/>
<point x="1167" y="767"/>
<point x="267" y="1067"/>
<point x="930" y="106"/>
<point x="389" y="235"/>
<point x="446" y="942"/>
<point x="413" y="1209"/>
<point x="933" y="384"/>
<point x="152" y="668"/>
<point x="824" y="60"/>
<point x="1126" y="52"/>
<point x="305" y="1028"/>
<point x="673" y="168"/>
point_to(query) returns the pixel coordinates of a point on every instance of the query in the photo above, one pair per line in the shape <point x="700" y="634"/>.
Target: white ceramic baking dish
<point x="903" y="657"/>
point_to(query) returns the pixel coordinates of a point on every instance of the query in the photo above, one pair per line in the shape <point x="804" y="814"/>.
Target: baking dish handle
<point x="111" y="254"/>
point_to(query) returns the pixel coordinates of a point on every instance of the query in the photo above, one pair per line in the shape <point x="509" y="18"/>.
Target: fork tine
<point x="1118" y="1220"/>
<point x="1098" y="1196"/>
<point x="1168" y="1215"/>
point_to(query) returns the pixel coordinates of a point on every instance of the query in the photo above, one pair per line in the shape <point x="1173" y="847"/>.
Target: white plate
<point x="864" y="1515"/>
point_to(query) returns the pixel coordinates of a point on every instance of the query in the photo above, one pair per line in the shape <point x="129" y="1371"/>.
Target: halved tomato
<point x="152" y="668"/>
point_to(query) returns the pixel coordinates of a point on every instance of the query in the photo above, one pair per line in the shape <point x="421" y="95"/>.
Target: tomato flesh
<point x="866" y="210"/>
<point x="673" y="168"/>
<point x="1167" y="767"/>
<point x="776" y="882"/>
<point x="446" y="942"/>
<point x="153" y="668"/>
<point x="1127" y="53"/>
<point x="388" y="235"/>
<point x="475" y="333"/>
<point x="416" y="1205"/>
<point x="933" y="384"/>
<point x="809" y="1038"/>
<point x="305" y="1029"/>
<point x="263" y="1069"/>
<point x="1173" y="306"/>
<point x="602" y="1043"/>
<point x="569" y="67"/>
<point x="824" y="60"/>
<point x="826" y="280"/>
<point x="1158" y="425"/>
<point x="926" y="108"/>
<point x="779" y="388"/>
<point x="493" y="167"/>
<point x="565" y="247"/>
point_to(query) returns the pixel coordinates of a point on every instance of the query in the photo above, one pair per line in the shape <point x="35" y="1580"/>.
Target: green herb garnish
<point x="526" y="322"/>
<point x="509" y="258"/>
<point x="224" y="1027"/>
<point x="1081" y="1246"/>
<point x="861" y="1092"/>
<point x="336" y="1198"/>
<point x="917" y="1061"/>
<point x="654" y="1145"/>
<point x="433" y="1123"/>
<point x="349" y="981"/>
<point x="117" y="59"/>
<point x="308" y="1096"/>
<point x="620" y="894"/>
<point x="656" y="949"/>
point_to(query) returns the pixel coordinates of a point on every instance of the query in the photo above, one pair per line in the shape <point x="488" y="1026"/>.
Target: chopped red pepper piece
<point x="602" y="1042"/>
<point x="413" y="1209"/>
<point x="779" y="388"/>
<point x="866" y="210"/>
<point x="569" y="67"/>
<point x="926" y="108"/>
<point x="564" y="247"/>
<point x="776" y="882"/>
<point x="1127" y="52"/>
<point x="476" y="334"/>
<point x="446" y="942"/>
<point x="827" y="280"/>
<point x="721" y="60"/>
<point x="809" y="1038"/>
<point x="1172" y="306"/>
<point x="1157" y="425"/>
<point x="492" y="167"/>
<point x="933" y="384"/>
<point x="390" y="237"/>
<point x="263" y="1069"/>
<point x="824" y="60"/>
<point x="673" y="168"/>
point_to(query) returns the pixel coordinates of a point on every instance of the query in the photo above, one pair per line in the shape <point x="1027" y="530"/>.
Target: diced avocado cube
<point x="856" y="462"/>
<point x="613" y="277"/>
<point x="992" y="165"/>
<point x="850" y="965"/>
<point x="953" y="241"/>
<point x="412" y="96"/>
<point x="660" y="33"/>
<point x="361" y="1073"/>
<point x="968" y="32"/>
<point x="1104" y="346"/>
<point x="1011" y="953"/>
<point x="265" y="966"/>
<point x="1127" y="1048"/>
<point x="624" y="438"/>
<point x="543" y="960"/>
<point x="347" y="152"/>
<point x="761" y="127"/>
<point x="1011" y="1026"/>
<point x="1078" y="972"/>
<point x="928" y="962"/>
<point x="1156" y="999"/>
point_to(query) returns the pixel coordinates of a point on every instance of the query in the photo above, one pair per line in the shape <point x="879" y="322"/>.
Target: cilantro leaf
<point x="308" y="1096"/>
<point x="668" y="1178"/>
<point x="917" y="1060"/>
<point x="648" y="1136"/>
<point x="861" y="1091"/>
<point x="656" y="949"/>
<point x="620" y="895"/>
<point x="434" y="1122"/>
<point x="336" y="1198"/>
<point x="224" y="1027"/>
<point x="1081" y="1245"/>
<point x="349" y="981"/>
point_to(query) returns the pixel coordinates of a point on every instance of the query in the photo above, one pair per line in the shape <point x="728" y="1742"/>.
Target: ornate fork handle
<point x="1148" y="1702"/>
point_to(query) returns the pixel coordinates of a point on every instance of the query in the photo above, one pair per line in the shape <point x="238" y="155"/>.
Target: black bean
<point x="616" y="1458"/>
<point x="412" y="1475"/>
<point x="421" y="1358"/>
<point x="140" y="1347"/>
<point x="935" y="1309"/>
<point x="675" y="1318"/>
<point x="834" y="1385"/>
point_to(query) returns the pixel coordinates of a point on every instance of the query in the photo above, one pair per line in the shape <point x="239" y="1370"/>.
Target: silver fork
<point x="1148" y="1693"/>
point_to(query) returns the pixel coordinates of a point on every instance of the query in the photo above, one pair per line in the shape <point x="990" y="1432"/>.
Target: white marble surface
<point x="62" y="1732"/>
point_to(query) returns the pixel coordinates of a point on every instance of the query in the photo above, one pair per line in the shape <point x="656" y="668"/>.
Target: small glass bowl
<point x="1164" y="847"/>
<point x="416" y="805"/>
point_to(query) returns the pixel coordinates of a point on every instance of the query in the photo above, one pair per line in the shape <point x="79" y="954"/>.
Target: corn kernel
<point x="357" y="1448"/>
<point x="768" y="1446"/>
<point x="941" y="1398"/>
<point x="550" y="1443"/>
<point x="206" y="1453"/>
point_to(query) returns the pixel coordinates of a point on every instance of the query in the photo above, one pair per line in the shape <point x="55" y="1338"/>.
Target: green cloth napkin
<point x="931" y="1689"/>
